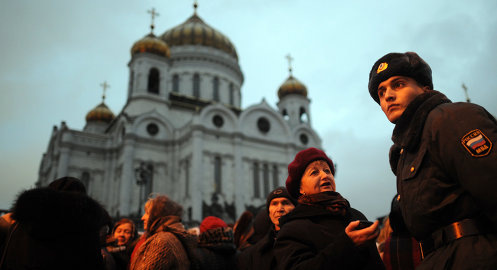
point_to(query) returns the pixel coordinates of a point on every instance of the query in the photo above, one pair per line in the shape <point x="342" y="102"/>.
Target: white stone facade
<point x="200" y="146"/>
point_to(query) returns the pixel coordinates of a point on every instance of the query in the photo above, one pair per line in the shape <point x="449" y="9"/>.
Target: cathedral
<point x="183" y="132"/>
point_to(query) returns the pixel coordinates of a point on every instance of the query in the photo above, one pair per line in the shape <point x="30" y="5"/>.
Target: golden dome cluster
<point x="151" y="44"/>
<point x="100" y="113"/>
<point x="292" y="86"/>
<point x="195" y="32"/>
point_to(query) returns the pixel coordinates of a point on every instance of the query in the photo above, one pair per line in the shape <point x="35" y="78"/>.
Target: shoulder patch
<point x="477" y="144"/>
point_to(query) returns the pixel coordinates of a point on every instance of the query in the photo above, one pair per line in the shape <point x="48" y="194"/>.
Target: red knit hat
<point x="297" y="167"/>
<point x="211" y="222"/>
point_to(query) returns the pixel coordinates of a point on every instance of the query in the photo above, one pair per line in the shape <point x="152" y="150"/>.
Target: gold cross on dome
<point x="104" y="85"/>
<point x="154" y="14"/>
<point x="195" y="6"/>
<point x="290" y="59"/>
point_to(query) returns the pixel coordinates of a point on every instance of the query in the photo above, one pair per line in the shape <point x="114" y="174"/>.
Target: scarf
<point x="329" y="200"/>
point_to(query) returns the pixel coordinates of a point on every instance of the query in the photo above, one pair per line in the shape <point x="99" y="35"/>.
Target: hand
<point x="360" y="237"/>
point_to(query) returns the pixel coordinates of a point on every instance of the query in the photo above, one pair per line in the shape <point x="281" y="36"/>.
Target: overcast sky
<point x="55" y="53"/>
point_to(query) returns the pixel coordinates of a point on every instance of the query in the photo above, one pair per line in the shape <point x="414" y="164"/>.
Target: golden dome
<point x="292" y="86"/>
<point x="100" y="113"/>
<point x="151" y="44"/>
<point x="195" y="32"/>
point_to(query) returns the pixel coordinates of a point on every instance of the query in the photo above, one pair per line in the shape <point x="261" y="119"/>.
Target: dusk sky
<point x="54" y="55"/>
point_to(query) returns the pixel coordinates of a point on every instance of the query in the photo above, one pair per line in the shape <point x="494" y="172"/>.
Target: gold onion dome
<point x="151" y="44"/>
<point x="100" y="113"/>
<point x="292" y="86"/>
<point x="195" y="32"/>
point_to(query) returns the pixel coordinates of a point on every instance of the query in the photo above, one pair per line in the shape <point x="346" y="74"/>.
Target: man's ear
<point x="426" y="88"/>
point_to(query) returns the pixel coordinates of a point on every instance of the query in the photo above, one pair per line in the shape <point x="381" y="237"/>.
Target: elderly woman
<point x="165" y="243"/>
<point x="322" y="231"/>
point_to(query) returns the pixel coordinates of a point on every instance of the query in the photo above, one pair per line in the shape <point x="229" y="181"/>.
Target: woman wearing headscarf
<point x="322" y="232"/>
<point x="165" y="244"/>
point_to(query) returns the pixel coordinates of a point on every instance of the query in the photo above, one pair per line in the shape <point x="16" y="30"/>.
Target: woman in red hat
<point x="323" y="231"/>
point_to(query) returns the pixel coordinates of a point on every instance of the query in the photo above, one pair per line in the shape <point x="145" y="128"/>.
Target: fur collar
<point x="408" y="130"/>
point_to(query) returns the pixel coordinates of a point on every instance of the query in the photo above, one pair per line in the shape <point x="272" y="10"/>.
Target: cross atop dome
<point x="290" y="59"/>
<point x="104" y="85"/>
<point x="195" y="6"/>
<point x="153" y="14"/>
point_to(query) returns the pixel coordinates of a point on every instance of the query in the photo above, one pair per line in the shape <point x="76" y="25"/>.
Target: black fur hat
<point x="407" y="64"/>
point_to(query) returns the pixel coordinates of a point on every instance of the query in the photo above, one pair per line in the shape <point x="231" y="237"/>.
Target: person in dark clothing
<point x="216" y="248"/>
<point x="55" y="227"/>
<point x="322" y="232"/>
<point x="123" y="237"/>
<point x="444" y="158"/>
<point x="401" y="250"/>
<point x="260" y="255"/>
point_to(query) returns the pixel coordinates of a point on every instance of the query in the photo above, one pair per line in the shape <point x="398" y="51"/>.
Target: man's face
<point x="279" y="207"/>
<point x="396" y="93"/>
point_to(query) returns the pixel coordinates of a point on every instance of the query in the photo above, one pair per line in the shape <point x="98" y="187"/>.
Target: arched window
<point x="150" y="180"/>
<point x="85" y="178"/>
<point x="303" y="115"/>
<point x="217" y="175"/>
<point x="232" y="94"/>
<point x="285" y="115"/>
<point x="257" y="191"/>
<point x="196" y="85"/>
<point x="275" y="176"/>
<point x="215" y="88"/>
<point x="187" y="177"/>
<point x="176" y="83"/>
<point x="153" y="81"/>
<point x="265" y="175"/>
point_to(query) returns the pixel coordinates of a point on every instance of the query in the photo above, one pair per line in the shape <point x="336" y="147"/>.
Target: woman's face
<point x="317" y="178"/>
<point x="123" y="233"/>
<point x="145" y="219"/>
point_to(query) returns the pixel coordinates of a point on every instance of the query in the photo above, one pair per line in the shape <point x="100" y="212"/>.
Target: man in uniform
<point x="445" y="161"/>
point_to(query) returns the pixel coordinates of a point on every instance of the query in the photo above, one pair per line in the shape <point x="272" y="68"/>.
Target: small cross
<point x="195" y="6"/>
<point x="290" y="59"/>
<point x="104" y="85"/>
<point x="154" y="14"/>
<point x="466" y="92"/>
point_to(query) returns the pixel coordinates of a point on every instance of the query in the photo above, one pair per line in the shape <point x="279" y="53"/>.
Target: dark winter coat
<point x="216" y="249"/>
<point x="54" y="230"/>
<point x="259" y="256"/>
<point x="311" y="237"/>
<point x="443" y="178"/>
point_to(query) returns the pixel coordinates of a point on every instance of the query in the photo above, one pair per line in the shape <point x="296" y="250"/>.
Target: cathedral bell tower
<point x="293" y="102"/>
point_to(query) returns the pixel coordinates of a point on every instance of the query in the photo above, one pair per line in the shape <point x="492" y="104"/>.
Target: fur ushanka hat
<point x="407" y="64"/>
<point x="297" y="167"/>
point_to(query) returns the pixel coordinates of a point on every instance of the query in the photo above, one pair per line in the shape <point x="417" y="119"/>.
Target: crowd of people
<point x="443" y="217"/>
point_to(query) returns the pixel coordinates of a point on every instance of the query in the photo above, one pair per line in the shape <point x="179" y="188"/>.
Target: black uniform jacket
<point x="445" y="160"/>
<point x="311" y="237"/>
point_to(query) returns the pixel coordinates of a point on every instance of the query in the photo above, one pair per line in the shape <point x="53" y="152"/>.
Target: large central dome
<point x="195" y="32"/>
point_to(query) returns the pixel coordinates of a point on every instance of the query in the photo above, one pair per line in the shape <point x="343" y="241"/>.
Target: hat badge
<point x="279" y="191"/>
<point x="381" y="67"/>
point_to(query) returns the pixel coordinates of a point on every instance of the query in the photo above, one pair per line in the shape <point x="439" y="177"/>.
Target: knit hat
<point x="297" y="167"/>
<point x="279" y="192"/>
<point x="68" y="184"/>
<point x="211" y="222"/>
<point x="407" y="64"/>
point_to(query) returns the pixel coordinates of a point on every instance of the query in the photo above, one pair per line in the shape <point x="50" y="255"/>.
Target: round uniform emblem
<point x="381" y="67"/>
